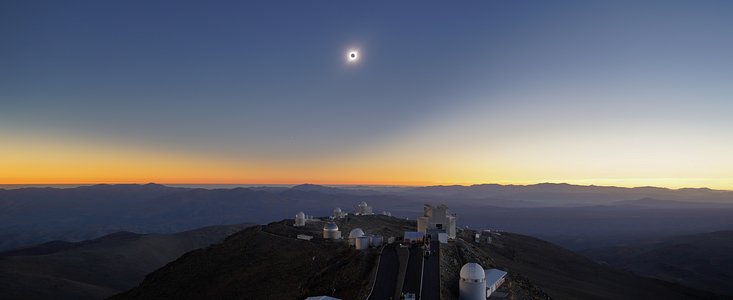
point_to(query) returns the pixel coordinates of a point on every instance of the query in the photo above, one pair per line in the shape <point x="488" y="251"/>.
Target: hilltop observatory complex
<point x="435" y="226"/>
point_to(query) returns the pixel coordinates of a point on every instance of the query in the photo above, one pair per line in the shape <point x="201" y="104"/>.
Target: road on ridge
<point x="431" y="274"/>
<point x="414" y="271"/>
<point x="387" y="272"/>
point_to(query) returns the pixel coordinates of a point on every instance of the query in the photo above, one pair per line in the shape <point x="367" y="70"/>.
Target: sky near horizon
<point x="627" y="93"/>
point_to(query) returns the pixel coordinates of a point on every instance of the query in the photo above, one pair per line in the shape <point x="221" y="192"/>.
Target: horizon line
<point x="71" y="185"/>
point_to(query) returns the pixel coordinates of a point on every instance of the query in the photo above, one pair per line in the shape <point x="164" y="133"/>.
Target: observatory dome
<point x="330" y="226"/>
<point x="300" y="215"/>
<point x="355" y="233"/>
<point x="363" y="204"/>
<point x="473" y="271"/>
<point x="337" y="210"/>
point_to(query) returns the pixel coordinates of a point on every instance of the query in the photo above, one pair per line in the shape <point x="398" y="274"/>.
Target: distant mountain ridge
<point x="581" y="194"/>
<point x="35" y="215"/>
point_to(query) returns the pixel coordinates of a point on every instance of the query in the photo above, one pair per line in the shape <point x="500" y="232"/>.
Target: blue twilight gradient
<point x="268" y="78"/>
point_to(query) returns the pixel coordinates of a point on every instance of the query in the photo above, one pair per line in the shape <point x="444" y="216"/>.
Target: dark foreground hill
<point x="98" y="268"/>
<point x="269" y="262"/>
<point x="563" y="274"/>
<point x="704" y="261"/>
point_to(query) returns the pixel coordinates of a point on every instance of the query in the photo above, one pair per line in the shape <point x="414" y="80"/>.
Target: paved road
<point x="431" y="274"/>
<point x="389" y="266"/>
<point x="414" y="271"/>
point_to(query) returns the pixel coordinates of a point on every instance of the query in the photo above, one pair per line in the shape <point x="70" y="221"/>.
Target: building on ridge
<point x="437" y="220"/>
<point x="362" y="209"/>
<point x="331" y="231"/>
<point x="299" y="219"/>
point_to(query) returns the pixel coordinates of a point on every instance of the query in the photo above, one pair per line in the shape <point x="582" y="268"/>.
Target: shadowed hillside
<point x="566" y="275"/>
<point x="268" y="262"/>
<point x="704" y="261"/>
<point x="97" y="268"/>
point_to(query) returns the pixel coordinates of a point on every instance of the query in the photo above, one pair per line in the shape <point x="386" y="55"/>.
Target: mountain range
<point x="577" y="217"/>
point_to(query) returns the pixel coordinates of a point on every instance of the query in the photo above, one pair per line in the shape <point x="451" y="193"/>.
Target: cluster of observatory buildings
<point x="437" y="223"/>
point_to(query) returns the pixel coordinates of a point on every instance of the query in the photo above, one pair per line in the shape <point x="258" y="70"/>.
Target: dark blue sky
<point x="266" y="81"/>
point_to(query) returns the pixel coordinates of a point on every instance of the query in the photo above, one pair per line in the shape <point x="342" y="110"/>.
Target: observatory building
<point x="363" y="209"/>
<point x="472" y="284"/>
<point x="436" y="220"/>
<point x="299" y="219"/>
<point x="331" y="231"/>
<point x="338" y="213"/>
<point x="362" y="242"/>
<point x="476" y="283"/>
<point x="494" y="279"/>
<point x="355" y="234"/>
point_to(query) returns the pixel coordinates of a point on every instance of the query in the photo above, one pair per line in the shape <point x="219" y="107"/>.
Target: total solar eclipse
<point x="353" y="56"/>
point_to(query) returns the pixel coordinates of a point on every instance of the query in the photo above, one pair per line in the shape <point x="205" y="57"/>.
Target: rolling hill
<point x="98" y="268"/>
<point x="704" y="261"/>
<point x="269" y="262"/>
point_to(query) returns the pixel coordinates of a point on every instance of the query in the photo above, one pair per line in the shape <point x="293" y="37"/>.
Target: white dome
<point x="300" y="215"/>
<point x="363" y="204"/>
<point x="337" y="210"/>
<point x="472" y="271"/>
<point x="330" y="226"/>
<point x="355" y="233"/>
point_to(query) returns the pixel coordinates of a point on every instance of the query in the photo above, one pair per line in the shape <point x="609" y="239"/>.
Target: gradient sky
<point x="591" y="92"/>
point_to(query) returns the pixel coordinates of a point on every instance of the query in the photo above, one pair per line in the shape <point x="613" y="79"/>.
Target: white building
<point x="299" y="219"/>
<point x="305" y="237"/>
<point x="494" y="279"/>
<point x="443" y="238"/>
<point x="361" y="243"/>
<point x="338" y="213"/>
<point x="472" y="284"/>
<point x="436" y="220"/>
<point x="331" y="231"/>
<point x="362" y="209"/>
<point x="354" y="234"/>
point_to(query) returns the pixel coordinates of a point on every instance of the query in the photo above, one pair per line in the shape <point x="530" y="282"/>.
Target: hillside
<point x="97" y="268"/>
<point x="704" y="261"/>
<point x="269" y="262"/>
<point x="563" y="274"/>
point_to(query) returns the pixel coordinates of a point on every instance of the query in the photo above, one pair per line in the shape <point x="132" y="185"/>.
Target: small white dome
<point x="472" y="271"/>
<point x="355" y="233"/>
<point x="363" y="204"/>
<point x="330" y="226"/>
<point x="300" y="215"/>
<point x="337" y="210"/>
